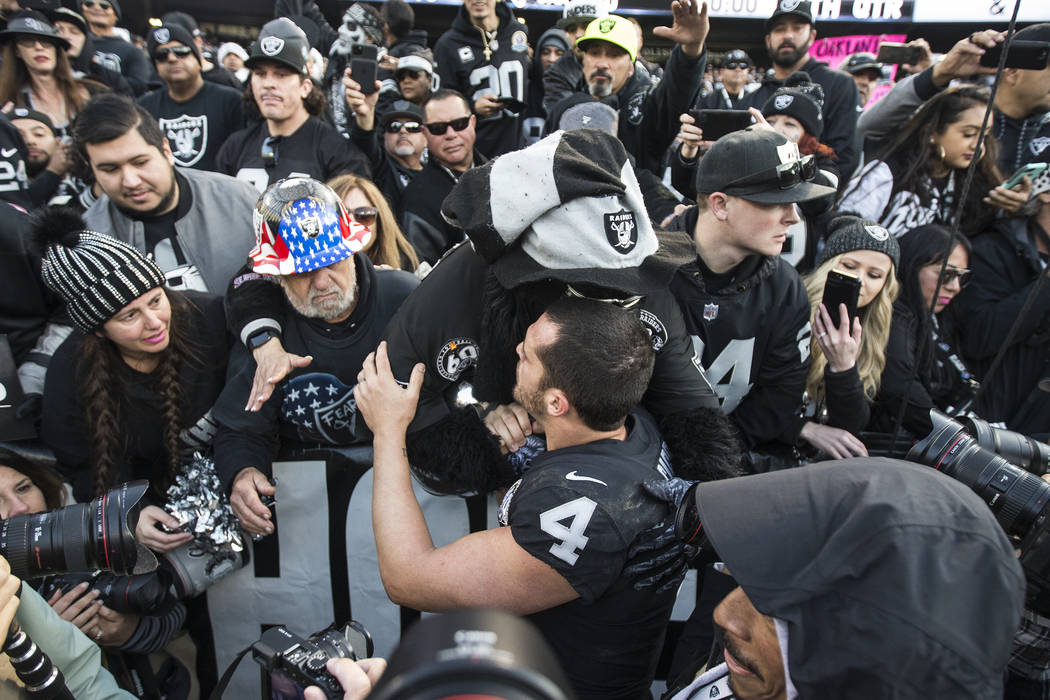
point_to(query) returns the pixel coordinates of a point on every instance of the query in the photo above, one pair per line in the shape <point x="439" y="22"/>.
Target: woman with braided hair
<point x="129" y="393"/>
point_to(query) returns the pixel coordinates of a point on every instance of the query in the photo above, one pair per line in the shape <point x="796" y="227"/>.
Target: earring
<point x="940" y="149"/>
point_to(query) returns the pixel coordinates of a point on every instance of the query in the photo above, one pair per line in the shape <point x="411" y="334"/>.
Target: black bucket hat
<point x="32" y="23"/>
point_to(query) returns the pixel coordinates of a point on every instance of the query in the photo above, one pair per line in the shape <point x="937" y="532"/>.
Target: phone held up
<point x="841" y="288"/>
<point x="364" y="59"/>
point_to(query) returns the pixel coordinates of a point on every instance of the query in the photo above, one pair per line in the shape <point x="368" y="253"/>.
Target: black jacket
<point x="463" y="66"/>
<point x="26" y="304"/>
<point x="648" y="114"/>
<point x="840" y="112"/>
<point x="421" y="219"/>
<point x="754" y="338"/>
<point x="1006" y="267"/>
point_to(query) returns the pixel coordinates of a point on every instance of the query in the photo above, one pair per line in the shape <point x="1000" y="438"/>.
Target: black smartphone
<point x="512" y="104"/>
<point x="892" y="52"/>
<point x="716" y="123"/>
<point x="1029" y="55"/>
<point x="841" y="288"/>
<point x="363" y="61"/>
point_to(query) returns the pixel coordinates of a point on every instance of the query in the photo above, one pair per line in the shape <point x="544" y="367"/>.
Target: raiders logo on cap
<point x="789" y="5"/>
<point x="271" y="45"/>
<point x="606" y="26"/>
<point x="162" y="35"/>
<point x="456" y="356"/>
<point x="656" y="328"/>
<point x="37" y="25"/>
<point x="782" y="101"/>
<point x="877" y="232"/>
<point x="622" y="231"/>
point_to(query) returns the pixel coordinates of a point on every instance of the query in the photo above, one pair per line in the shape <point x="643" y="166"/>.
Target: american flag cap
<point x="301" y="225"/>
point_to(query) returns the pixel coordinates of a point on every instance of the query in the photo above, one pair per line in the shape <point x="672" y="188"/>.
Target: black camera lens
<point x="1016" y="448"/>
<point x="1016" y="497"/>
<point x="80" y="537"/>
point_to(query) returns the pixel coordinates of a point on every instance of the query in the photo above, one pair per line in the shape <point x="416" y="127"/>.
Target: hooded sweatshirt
<point x="890" y="579"/>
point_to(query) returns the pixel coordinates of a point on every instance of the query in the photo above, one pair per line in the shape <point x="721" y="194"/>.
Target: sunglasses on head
<point x="785" y="175"/>
<point x="951" y="273"/>
<point x="102" y="4"/>
<point x="269" y="151"/>
<point x="439" y="128"/>
<point x="366" y="216"/>
<point x="410" y="127"/>
<point x="162" y="55"/>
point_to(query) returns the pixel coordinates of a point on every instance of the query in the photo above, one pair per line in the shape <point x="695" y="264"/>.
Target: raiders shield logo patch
<point x="188" y="137"/>
<point x="710" y="312"/>
<point x="311" y="226"/>
<point x="657" y="329"/>
<point x="1039" y="145"/>
<point x="606" y="25"/>
<point x="162" y="35"/>
<point x="271" y="45"/>
<point x="634" y="108"/>
<point x="622" y="231"/>
<point x="877" y="232"/>
<point x="456" y="356"/>
<point x="789" y="5"/>
<point x="782" y="101"/>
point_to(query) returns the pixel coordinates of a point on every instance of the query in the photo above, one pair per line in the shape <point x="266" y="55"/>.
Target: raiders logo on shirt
<point x="634" y="108"/>
<point x="622" y="231"/>
<point x="188" y="137"/>
<point x="456" y="356"/>
<point x="656" y="328"/>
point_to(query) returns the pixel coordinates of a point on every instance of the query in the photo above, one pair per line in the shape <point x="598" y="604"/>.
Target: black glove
<point x="658" y="560"/>
<point x="30" y="408"/>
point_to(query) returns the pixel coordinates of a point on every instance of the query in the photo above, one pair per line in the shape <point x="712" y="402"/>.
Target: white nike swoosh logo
<point x="573" y="476"/>
<point x="8" y="152"/>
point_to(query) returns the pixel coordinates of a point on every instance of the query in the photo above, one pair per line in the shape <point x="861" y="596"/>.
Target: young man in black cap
<point x="290" y="139"/>
<point x="484" y="56"/>
<point x="866" y="72"/>
<point x="789" y="34"/>
<point x="196" y="116"/>
<point x="49" y="160"/>
<point x="111" y="50"/>
<point x="736" y="73"/>
<point x="744" y="305"/>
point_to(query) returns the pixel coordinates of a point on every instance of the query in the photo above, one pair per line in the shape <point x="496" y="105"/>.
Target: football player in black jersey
<point x="290" y="140"/>
<point x="571" y="518"/>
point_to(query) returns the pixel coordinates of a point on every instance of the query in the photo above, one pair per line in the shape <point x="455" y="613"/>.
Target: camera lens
<point x="1016" y="448"/>
<point x="351" y="641"/>
<point x="80" y="537"/>
<point x="1015" y="496"/>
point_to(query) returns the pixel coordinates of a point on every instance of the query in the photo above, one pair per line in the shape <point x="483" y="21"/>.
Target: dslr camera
<point x="146" y="594"/>
<point x="302" y="662"/>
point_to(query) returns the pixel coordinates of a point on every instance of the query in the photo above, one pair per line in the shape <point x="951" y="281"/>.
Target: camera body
<point x="146" y="594"/>
<point x="303" y="661"/>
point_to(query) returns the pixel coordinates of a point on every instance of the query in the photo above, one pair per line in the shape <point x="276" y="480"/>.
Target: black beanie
<point x="846" y="233"/>
<point x="801" y="99"/>
<point x="171" y="32"/>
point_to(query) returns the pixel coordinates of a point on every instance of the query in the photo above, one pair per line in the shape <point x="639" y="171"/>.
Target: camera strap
<point x="220" y="687"/>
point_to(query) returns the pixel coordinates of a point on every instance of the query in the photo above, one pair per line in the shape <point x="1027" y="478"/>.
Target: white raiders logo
<point x="634" y="108"/>
<point x="1039" y="145"/>
<point x="877" y="232"/>
<point x="782" y="101"/>
<point x="188" y="137"/>
<point x="621" y="231"/>
<point x="108" y="60"/>
<point x="271" y="45"/>
<point x="162" y="35"/>
<point x="656" y="328"/>
<point x="456" y="356"/>
<point x="311" y="226"/>
<point x="789" y="5"/>
<point x="38" y="25"/>
<point x="466" y="55"/>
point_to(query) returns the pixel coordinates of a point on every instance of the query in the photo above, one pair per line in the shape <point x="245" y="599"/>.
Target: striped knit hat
<point x="96" y="274"/>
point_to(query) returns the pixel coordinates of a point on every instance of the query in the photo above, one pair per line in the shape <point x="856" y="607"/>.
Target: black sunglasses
<point x="951" y="273"/>
<point x="102" y="4"/>
<point x="410" y="127"/>
<point x="269" y="151"/>
<point x="162" y="55"/>
<point x="366" y="216"/>
<point x="736" y="64"/>
<point x="439" y="128"/>
<point x="408" y="73"/>
<point x="786" y="175"/>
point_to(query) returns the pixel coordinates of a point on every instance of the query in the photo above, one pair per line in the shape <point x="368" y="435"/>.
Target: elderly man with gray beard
<point x="337" y="306"/>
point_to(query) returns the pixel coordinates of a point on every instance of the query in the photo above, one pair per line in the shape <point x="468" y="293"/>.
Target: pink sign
<point x="834" y="51"/>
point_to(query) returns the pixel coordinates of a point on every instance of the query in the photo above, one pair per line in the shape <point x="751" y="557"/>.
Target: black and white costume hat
<point x="569" y="208"/>
<point x="96" y="274"/>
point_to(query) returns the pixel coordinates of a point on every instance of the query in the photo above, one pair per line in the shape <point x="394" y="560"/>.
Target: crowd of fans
<point x="233" y="250"/>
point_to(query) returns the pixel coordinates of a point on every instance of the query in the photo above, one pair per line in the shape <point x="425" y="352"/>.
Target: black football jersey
<point x="197" y="128"/>
<point x="315" y="150"/>
<point x="14" y="182"/>
<point x="579" y="509"/>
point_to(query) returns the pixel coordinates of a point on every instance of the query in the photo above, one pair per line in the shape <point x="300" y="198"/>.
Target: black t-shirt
<point x="162" y="242"/>
<point x="315" y="150"/>
<point x="141" y="417"/>
<point x="123" y="57"/>
<point x="197" y="128"/>
<point x="579" y="509"/>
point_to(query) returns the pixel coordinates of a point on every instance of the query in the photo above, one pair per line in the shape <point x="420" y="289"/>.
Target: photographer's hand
<point x="79" y="606"/>
<point x="114" y="628"/>
<point x="147" y="532"/>
<point x="356" y="677"/>
<point x="9" y="587"/>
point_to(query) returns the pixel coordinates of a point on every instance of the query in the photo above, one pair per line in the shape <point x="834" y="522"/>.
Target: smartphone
<point x="1032" y="170"/>
<point x="841" y="288"/>
<point x="892" y="52"/>
<point x="716" y="123"/>
<point x="1029" y="55"/>
<point x="512" y="104"/>
<point x="363" y="61"/>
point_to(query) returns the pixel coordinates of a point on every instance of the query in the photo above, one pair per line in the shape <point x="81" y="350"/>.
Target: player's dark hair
<point x="602" y="359"/>
<point x="445" y="94"/>
<point x="109" y="116"/>
<point x="399" y="16"/>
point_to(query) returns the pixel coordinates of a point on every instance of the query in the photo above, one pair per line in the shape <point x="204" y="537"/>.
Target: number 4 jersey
<point x="579" y="509"/>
